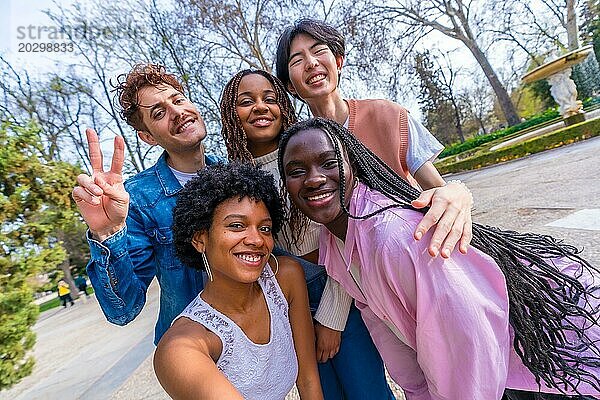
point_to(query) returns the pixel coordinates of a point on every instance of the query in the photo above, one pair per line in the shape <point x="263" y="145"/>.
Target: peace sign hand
<point x="101" y="198"/>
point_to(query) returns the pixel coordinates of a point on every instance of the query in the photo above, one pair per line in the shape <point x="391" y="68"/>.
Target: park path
<point x="79" y="355"/>
<point x="555" y="192"/>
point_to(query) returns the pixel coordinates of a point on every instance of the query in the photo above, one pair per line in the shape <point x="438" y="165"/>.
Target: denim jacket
<point x="122" y="266"/>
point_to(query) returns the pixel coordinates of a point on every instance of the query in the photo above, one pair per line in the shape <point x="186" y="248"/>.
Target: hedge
<point x="477" y="141"/>
<point x="568" y="135"/>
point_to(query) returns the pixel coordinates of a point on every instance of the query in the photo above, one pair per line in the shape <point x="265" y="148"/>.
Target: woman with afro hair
<point x="248" y="334"/>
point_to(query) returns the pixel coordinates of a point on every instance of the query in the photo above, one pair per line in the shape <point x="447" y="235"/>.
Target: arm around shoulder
<point x="184" y="366"/>
<point x="450" y="212"/>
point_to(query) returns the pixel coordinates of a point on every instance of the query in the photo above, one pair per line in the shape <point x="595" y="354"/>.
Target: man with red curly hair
<point x="130" y="235"/>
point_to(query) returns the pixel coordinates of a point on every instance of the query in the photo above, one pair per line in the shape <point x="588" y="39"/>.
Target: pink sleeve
<point x="453" y="313"/>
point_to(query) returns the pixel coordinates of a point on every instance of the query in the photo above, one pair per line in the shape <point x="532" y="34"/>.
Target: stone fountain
<point x="558" y="74"/>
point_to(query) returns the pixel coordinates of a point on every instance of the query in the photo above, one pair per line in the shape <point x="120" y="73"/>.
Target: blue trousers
<point x="356" y="372"/>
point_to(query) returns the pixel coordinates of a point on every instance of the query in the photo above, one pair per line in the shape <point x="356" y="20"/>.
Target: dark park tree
<point x="35" y="207"/>
<point x="437" y="98"/>
<point x="590" y="25"/>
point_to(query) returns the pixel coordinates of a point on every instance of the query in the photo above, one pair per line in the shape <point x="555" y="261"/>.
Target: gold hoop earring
<point x="276" y="265"/>
<point x="207" y="266"/>
<point x="355" y="184"/>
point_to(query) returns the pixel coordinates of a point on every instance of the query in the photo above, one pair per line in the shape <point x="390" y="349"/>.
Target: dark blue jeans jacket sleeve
<point x="120" y="270"/>
<point x="123" y="266"/>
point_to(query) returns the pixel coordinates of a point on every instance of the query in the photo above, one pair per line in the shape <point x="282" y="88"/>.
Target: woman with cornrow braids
<point x="519" y="311"/>
<point x="255" y="110"/>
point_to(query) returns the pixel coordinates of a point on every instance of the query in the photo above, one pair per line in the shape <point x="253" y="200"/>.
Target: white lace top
<point x="258" y="371"/>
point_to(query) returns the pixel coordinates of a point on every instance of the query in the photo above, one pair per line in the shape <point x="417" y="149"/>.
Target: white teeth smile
<point x="185" y="126"/>
<point x="250" y="258"/>
<point x="319" y="197"/>
<point x="316" y="78"/>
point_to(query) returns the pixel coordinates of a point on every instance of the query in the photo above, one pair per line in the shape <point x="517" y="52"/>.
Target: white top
<point x="422" y="145"/>
<point x="183" y="177"/>
<point x="258" y="371"/>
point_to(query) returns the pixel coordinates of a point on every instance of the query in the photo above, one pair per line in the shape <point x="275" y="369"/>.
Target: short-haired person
<point x="248" y="334"/>
<point x="130" y="235"/>
<point x="255" y="110"/>
<point x="519" y="311"/>
<point x="309" y="61"/>
<point x="64" y="293"/>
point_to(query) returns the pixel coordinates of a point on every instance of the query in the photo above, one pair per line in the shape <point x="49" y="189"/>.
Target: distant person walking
<point x="81" y="283"/>
<point x="64" y="293"/>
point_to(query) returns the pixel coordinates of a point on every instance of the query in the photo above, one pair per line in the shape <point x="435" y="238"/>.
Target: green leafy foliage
<point x="591" y="102"/>
<point x="35" y="209"/>
<point x="590" y="25"/>
<point x="539" y="119"/>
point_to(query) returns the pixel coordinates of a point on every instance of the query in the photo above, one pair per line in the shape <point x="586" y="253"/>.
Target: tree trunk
<point x="457" y="123"/>
<point x="508" y="109"/>
<point x="572" y="30"/>
<point x="66" y="269"/>
<point x="480" y="122"/>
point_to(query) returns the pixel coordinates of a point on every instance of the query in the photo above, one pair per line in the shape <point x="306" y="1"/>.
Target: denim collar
<point x="169" y="183"/>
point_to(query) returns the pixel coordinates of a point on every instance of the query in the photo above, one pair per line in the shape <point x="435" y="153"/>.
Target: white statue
<point x="564" y="91"/>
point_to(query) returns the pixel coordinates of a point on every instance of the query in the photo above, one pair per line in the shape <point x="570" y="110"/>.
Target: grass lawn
<point x="56" y="301"/>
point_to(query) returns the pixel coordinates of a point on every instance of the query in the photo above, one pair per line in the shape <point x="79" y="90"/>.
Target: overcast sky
<point x="16" y="20"/>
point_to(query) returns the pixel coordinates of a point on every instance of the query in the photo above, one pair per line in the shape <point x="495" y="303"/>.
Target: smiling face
<point x="259" y="113"/>
<point x="239" y="240"/>
<point x="173" y="122"/>
<point x="312" y="179"/>
<point x="313" y="68"/>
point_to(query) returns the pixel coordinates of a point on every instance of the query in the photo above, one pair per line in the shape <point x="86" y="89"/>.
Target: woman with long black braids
<point x="521" y="311"/>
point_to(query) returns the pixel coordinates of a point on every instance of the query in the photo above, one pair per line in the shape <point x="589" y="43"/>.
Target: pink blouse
<point x="451" y="315"/>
